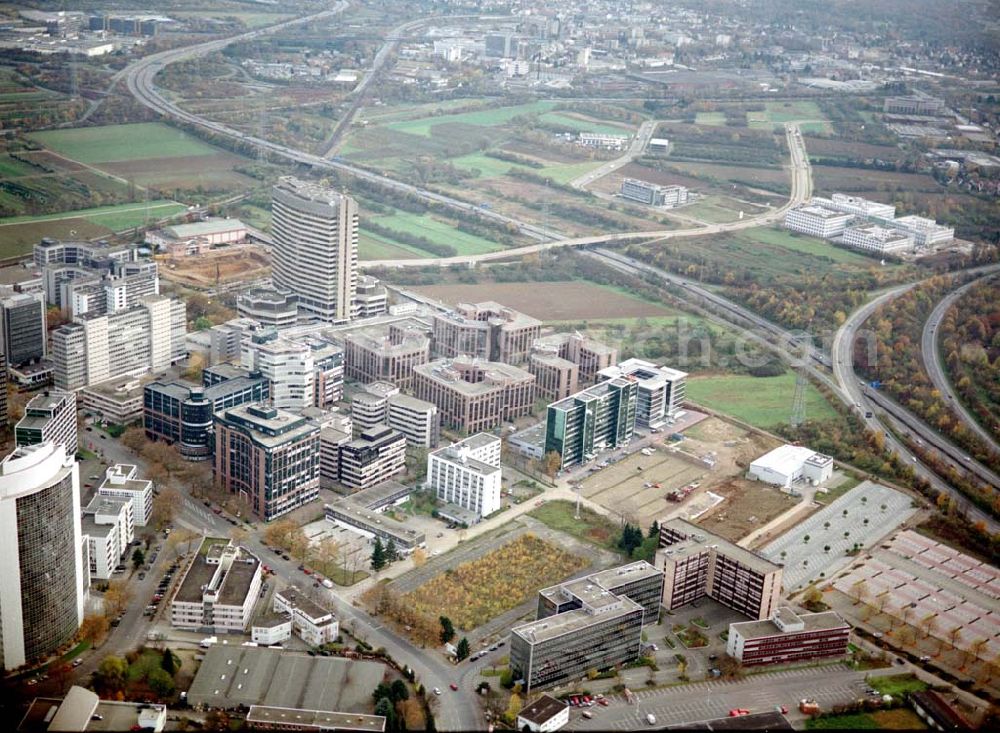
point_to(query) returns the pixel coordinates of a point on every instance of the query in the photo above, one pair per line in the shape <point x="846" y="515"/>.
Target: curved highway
<point x="930" y="348"/>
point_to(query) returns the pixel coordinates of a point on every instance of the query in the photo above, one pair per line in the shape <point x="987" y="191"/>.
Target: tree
<point x="514" y="707"/>
<point x="399" y="691"/>
<point x="169" y="662"/>
<point x="382" y="690"/>
<point x="551" y="463"/>
<point x="630" y="539"/>
<point x="378" y="555"/>
<point x="813" y="596"/>
<point x="385" y="708"/>
<point x="391" y="553"/>
<point x="116" y="597"/>
<point x="138" y="558"/>
<point x="217" y="720"/>
<point x="462" y="651"/>
<point x="110" y="675"/>
<point x="160" y="682"/>
<point x="654" y="529"/>
<point x="94" y="628"/>
<point x="447" y="629"/>
<point x="165" y="506"/>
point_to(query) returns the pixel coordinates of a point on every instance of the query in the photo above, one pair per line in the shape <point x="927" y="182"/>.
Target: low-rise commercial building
<point x="50" y="416"/>
<point x="790" y="464"/>
<point x="268" y="457"/>
<point x="218" y="591"/>
<point x="474" y="395"/>
<point x="118" y="400"/>
<point x="269" y="717"/>
<point x="544" y="715"/>
<point x="817" y="221"/>
<point x="925" y="232"/>
<point x="939" y="714"/>
<point x="376" y="456"/>
<point x="858" y="206"/>
<point x="878" y="240"/>
<point x="121" y="481"/>
<point x="370" y="524"/>
<point x="653" y="194"/>
<point x="661" y="391"/>
<point x="468" y="474"/>
<point x="81" y="710"/>
<point x="697" y="563"/>
<point x="788" y="637"/>
<point x="314" y="624"/>
<point x="603" y="140"/>
<point x="598" y="418"/>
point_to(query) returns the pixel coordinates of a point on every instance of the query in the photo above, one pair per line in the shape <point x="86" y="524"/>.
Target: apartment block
<point x="473" y="395"/>
<point x="378" y="355"/>
<point x="878" y="240"/>
<point x="109" y="526"/>
<point x="639" y="581"/>
<point x="467" y="474"/>
<point x="376" y="456"/>
<point x="697" y="563"/>
<point x="268" y="457"/>
<point x="788" y="637"/>
<point x="121" y="481"/>
<point x="181" y="413"/>
<point x="485" y="330"/>
<point x="817" y="221"/>
<point x="50" y="416"/>
<point x="22" y="328"/>
<point x="218" y="591"/>
<point x="598" y="418"/>
<point x="661" y="390"/>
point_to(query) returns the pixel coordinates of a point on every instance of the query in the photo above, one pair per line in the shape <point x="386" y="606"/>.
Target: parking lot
<point x="817" y="548"/>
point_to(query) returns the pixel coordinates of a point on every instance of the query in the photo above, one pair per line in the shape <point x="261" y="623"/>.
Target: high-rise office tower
<point x="22" y="328"/>
<point x="41" y="558"/>
<point x="315" y="232"/>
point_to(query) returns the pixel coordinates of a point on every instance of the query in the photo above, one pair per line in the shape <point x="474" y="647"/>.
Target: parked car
<point x="453" y="686"/>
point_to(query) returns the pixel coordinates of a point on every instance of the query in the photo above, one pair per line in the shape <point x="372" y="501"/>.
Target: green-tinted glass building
<point x="599" y="417"/>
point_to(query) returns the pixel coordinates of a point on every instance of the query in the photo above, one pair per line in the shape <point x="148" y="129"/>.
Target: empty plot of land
<point x="550" y="301"/>
<point x="222" y="266"/>
<point x="748" y="505"/>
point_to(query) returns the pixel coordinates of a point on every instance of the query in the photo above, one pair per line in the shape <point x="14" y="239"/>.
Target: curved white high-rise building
<point x="315" y="255"/>
<point x="41" y="561"/>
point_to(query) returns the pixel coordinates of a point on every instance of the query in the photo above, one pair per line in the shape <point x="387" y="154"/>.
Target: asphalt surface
<point x="930" y="348"/>
<point x="636" y="148"/>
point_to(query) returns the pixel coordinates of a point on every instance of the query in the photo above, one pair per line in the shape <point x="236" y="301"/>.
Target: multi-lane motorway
<point x="930" y="349"/>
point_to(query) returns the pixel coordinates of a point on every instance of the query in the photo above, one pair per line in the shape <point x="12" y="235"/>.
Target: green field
<point x="760" y="401"/>
<point x="116" y="218"/>
<point x="804" y="244"/>
<point x="439" y="232"/>
<point x="115" y="143"/>
<point x="590" y="527"/>
<point x="777" y="113"/>
<point x="898" y="685"/>
<point x="719" y="209"/>
<point x="710" y="119"/>
<point x="489" y="167"/>
<point x="9" y="168"/>
<point x="373" y="246"/>
<point x="483" y="118"/>
<point x="576" y="124"/>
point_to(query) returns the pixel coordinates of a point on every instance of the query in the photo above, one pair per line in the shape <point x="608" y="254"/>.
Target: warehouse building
<point x="790" y="464"/>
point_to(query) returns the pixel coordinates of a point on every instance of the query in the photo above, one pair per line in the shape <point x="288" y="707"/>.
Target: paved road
<point x="700" y="701"/>
<point x="842" y="353"/>
<point x="930" y="348"/>
<point x="638" y="146"/>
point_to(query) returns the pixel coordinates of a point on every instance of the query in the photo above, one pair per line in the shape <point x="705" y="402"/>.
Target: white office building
<point x="878" y="240"/>
<point x="287" y="365"/>
<point x="924" y="231"/>
<point x="218" y="591"/>
<point x="49" y="416"/>
<point x="789" y="464"/>
<point x="467" y="473"/>
<point x="314" y="624"/>
<point x="858" y="206"/>
<point x="122" y="481"/>
<point x="383" y="404"/>
<point x="661" y="390"/>
<point x="653" y="194"/>
<point x="42" y="575"/>
<point x="817" y="221"/>
<point x="109" y="526"/>
<point x="315" y="231"/>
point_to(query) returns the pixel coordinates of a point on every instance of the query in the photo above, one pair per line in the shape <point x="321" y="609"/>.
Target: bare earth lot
<point x="551" y="301"/>
<point x="748" y="505"/>
<point x="234" y="265"/>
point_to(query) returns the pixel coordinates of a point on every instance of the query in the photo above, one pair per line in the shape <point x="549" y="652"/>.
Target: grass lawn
<point x="484" y="118"/>
<point x="852" y="721"/>
<point x="711" y="119"/>
<point x="488" y="167"/>
<point x="590" y="527"/>
<point x="425" y="225"/>
<point x="760" y="401"/>
<point x="898" y="685"/>
<point x="577" y="124"/>
<point x="373" y="246"/>
<point x="718" y="210"/>
<point x="804" y="244"/>
<point x="146" y="663"/>
<point x="209" y="541"/>
<point x="566" y="172"/>
<point x="833" y="494"/>
<point x="10" y="167"/>
<point x="112" y="143"/>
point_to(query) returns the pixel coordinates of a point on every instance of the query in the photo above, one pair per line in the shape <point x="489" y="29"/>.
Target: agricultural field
<point x="149" y="154"/>
<point x="829" y="179"/>
<point x="710" y="119"/>
<point x="493" y="117"/>
<point x="550" y="301"/>
<point x="436" y="230"/>
<point x="477" y="591"/>
<point x="763" y="402"/>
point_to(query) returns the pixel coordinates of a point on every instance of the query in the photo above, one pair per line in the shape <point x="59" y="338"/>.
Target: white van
<point x="650" y="718"/>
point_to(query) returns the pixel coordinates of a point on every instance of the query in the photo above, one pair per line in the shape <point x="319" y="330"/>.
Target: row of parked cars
<point x="161" y="590"/>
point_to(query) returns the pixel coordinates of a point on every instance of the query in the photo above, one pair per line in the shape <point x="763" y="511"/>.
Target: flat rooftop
<point x="377" y="495"/>
<point x="542" y="709"/>
<point x="576" y="620"/>
<point x="354" y="514"/>
<point x="811" y="622"/>
<point x="445" y="371"/>
<point x="266" y="717"/>
<point x="698" y="540"/>
<point x="293" y="596"/>
<point x="821" y="212"/>
<point x="201" y="228"/>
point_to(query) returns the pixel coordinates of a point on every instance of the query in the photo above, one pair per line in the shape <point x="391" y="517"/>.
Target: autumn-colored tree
<point x="117" y="597"/>
<point x="419" y="557"/>
<point x="165" y="507"/>
<point x="94" y="628"/>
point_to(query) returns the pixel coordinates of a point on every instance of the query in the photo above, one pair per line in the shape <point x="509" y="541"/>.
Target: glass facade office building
<point x="598" y="418"/>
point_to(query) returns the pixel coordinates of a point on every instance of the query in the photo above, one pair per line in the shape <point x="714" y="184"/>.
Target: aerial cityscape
<point x="482" y="365"/>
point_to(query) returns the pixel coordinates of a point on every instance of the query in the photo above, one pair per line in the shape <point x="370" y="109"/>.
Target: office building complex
<point x="788" y="637"/>
<point x="878" y="240"/>
<point x="218" y="591"/>
<point x="330" y="442"/>
<point x="485" y="330"/>
<point x="287" y="365"/>
<point x="181" y="413"/>
<point x="500" y="45"/>
<point x="603" y="631"/>
<point x="22" y="328"/>
<point x="50" y="416"/>
<point x="376" y="355"/>
<point x="121" y="481"/>
<point x="858" y="206"/>
<point x="268" y="457"/>
<point x="638" y="581"/>
<point x="697" y="563"/>
<point x="376" y="456"/>
<point x="41" y="553"/>
<point x="589" y="355"/>
<point x="108" y="525"/>
<point x="925" y="232"/>
<point x="661" y="390"/>
<point x="555" y="378"/>
<point x="817" y="221"/>
<point x="117" y="400"/>
<point x="598" y="418"/>
<point x="653" y="194"/>
<point x="922" y="106"/>
<point x="383" y="403"/>
<point x="371" y="298"/>
<point x="474" y="395"/>
<point x="467" y="474"/>
<point x="94" y="349"/>
<point x="226" y="339"/>
<point x="268" y="307"/>
<point x="315" y="232"/>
